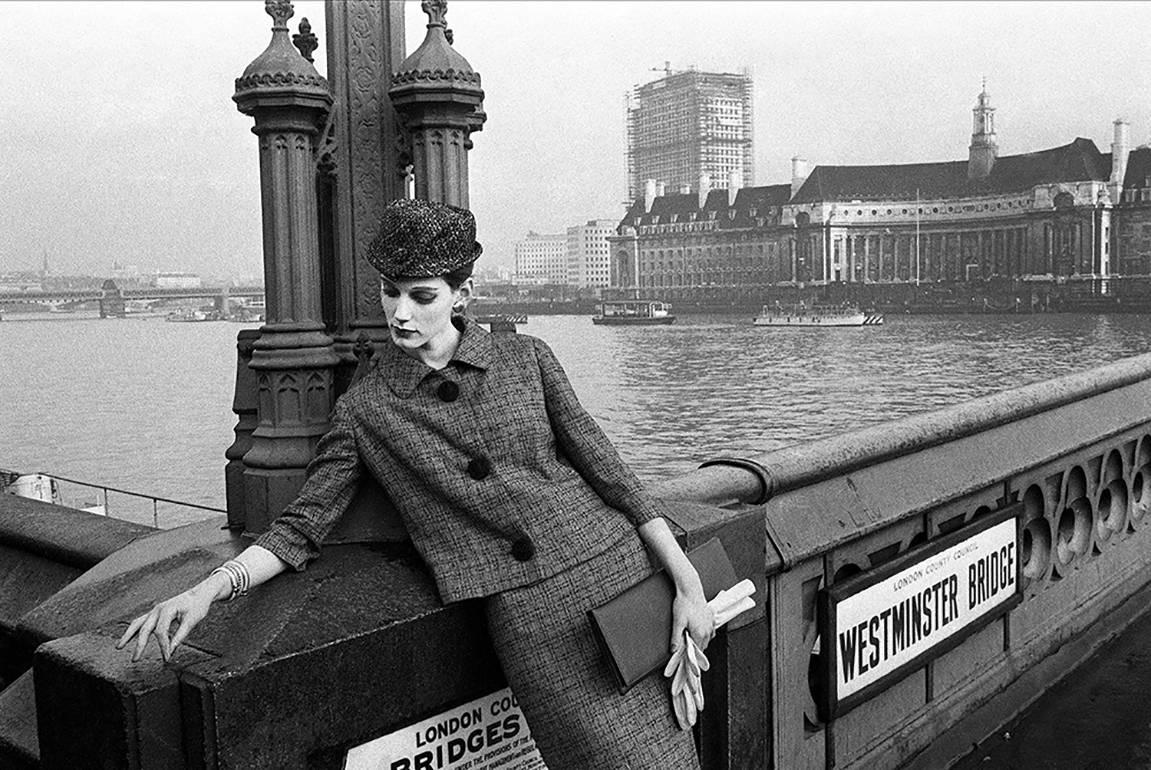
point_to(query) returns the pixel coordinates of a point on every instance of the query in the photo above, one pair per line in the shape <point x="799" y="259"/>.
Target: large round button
<point x="523" y="549"/>
<point x="479" y="468"/>
<point x="448" y="391"/>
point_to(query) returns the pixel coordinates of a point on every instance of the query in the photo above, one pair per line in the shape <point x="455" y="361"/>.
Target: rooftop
<point x="1079" y="161"/>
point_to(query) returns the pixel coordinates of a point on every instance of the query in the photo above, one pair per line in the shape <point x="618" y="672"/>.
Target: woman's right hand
<point x="187" y="609"/>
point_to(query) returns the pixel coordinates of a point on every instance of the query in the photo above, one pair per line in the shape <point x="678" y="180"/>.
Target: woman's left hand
<point x="691" y="612"/>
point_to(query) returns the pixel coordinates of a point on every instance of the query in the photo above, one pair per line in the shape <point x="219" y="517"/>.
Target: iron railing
<point x="8" y="476"/>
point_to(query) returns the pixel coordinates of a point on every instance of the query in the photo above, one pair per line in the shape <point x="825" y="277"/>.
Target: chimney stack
<point x="734" y="182"/>
<point x="799" y="174"/>
<point x="685" y="189"/>
<point x="659" y="189"/>
<point x="703" y="189"/>
<point x="1120" y="151"/>
<point x="648" y="195"/>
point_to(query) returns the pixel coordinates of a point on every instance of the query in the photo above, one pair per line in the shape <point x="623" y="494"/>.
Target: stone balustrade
<point x="1070" y="457"/>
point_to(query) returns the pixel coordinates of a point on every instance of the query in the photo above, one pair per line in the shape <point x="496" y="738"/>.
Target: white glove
<point x="733" y="601"/>
<point x="687" y="664"/>
<point x="684" y="670"/>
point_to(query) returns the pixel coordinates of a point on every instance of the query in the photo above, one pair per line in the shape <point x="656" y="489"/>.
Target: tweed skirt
<point x="578" y="717"/>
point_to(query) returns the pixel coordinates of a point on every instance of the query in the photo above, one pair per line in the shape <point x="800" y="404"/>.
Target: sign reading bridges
<point x="489" y="733"/>
<point x="880" y="625"/>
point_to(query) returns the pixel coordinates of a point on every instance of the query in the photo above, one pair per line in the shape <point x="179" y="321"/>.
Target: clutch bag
<point x="634" y="628"/>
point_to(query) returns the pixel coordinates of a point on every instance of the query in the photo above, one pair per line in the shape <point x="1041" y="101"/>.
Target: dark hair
<point x="455" y="279"/>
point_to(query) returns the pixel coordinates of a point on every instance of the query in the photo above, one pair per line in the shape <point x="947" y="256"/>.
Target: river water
<point x="145" y="405"/>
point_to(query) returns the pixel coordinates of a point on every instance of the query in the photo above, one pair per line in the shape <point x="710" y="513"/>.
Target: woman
<point x="510" y="493"/>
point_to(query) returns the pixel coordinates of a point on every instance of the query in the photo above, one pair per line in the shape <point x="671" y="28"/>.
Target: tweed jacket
<point x="499" y="474"/>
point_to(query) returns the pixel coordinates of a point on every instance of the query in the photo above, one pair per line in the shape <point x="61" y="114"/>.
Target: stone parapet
<point x="309" y="665"/>
<point x="43" y="548"/>
<point x="61" y="534"/>
<point x="301" y="668"/>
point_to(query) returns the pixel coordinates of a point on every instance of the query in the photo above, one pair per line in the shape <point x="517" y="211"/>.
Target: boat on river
<point x="511" y="318"/>
<point x="42" y="487"/>
<point x="190" y="315"/>
<point x="803" y="314"/>
<point x="633" y="312"/>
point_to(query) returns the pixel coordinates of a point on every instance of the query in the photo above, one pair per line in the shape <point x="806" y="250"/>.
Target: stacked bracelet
<point x="238" y="577"/>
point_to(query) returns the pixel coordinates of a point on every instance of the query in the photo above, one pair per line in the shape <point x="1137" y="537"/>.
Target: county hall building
<point x="1065" y="213"/>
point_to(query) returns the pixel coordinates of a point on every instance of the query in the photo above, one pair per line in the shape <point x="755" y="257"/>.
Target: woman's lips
<point x="403" y="332"/>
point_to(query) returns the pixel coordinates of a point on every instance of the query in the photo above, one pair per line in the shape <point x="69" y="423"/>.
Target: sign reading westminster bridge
<point x="881" y="625"/>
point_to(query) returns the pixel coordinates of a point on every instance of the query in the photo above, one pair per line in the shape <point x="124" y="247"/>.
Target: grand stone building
<point x="1065" y="213"/>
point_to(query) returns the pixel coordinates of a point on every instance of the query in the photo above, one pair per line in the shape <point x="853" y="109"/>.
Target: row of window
<point x="950" y="209"/>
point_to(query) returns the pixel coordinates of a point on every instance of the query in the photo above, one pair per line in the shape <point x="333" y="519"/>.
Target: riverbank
<point x="931" y="305"/>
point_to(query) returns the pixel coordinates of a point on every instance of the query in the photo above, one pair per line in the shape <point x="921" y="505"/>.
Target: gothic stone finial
<point x="305" y="41"/>
<point x="436" y="11"/>
<point x="280" y="11"/>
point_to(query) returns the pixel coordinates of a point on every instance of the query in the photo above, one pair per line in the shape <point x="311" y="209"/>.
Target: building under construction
<point x="688" y="125"/>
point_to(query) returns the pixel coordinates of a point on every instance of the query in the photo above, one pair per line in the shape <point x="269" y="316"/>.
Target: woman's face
<point x="419" y="311"/>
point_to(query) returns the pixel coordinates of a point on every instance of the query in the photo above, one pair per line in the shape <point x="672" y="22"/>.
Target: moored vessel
<point x="190" y="315"/>
<point x="633" y="312"/>
<point x="42" y="487"/>
<point x="511" y="318"/>
<point x="803" y="314"/>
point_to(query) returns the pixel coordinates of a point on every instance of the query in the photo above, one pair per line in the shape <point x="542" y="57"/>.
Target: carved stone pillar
<point x="244" y="407"/>
<point x="293" y="357"/>
<point x="439" y="98"/>
<point x="366" y="154"/>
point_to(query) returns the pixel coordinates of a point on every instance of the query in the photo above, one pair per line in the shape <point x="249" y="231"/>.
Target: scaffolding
<point x="688" y="124"/>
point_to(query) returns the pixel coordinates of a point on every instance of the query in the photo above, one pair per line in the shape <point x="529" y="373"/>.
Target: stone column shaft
<point x="288" y="203"/>
<point x="440" y="163"/>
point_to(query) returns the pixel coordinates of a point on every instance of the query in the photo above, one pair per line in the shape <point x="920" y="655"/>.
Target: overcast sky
<point x="121" y="141"/>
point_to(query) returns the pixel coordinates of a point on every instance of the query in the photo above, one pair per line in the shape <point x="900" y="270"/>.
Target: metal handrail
<point x="156" y="500"/>
<point x="752" y="480"/>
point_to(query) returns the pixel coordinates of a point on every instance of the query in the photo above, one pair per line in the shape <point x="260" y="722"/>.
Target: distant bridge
<point x="110" y="291"/>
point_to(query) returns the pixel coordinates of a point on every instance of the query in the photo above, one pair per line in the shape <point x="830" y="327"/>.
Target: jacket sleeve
<point x="588" y="448"/>
<point x="332" y="479"/>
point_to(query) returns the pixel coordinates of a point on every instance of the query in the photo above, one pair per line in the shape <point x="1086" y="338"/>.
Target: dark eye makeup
<point x="421" y="296"/>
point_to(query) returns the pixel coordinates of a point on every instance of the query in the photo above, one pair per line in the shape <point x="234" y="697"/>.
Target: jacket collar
<point x="404" y="373"/>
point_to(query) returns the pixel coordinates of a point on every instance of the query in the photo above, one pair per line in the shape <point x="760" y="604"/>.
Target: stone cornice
<point x="261" y="80"/>
<point x="436" y="76"/>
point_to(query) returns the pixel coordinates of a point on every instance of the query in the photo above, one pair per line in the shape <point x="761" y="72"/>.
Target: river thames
<point x="145" y="405"/>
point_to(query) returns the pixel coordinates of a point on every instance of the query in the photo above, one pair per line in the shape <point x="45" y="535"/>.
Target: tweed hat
<point x="418" y="239"/>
